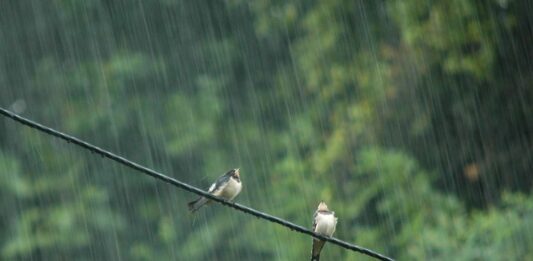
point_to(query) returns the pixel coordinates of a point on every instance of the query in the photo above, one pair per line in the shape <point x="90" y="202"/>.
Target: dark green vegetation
<point x="412" y="119"/>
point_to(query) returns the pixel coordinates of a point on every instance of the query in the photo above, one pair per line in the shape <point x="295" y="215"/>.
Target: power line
<point x="185" y="186"/>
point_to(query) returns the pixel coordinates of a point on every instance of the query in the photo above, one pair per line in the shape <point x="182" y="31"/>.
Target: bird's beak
<point x="237" y="173"/>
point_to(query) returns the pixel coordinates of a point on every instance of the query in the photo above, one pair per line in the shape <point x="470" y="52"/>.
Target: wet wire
<point x="187" y="187"/>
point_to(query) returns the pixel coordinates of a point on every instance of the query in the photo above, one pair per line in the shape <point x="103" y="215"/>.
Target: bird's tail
<point x="317" y="247"/>
<point x="196" y="204"/>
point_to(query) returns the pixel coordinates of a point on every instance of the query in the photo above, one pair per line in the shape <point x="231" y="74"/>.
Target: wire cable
<point x="187" y="187"/>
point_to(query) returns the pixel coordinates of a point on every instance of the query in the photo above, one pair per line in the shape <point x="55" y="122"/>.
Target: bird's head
<point x="322" y="206"/>
<point x="235" y="174"/>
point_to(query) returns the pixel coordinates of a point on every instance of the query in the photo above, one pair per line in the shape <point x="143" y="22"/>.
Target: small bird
<point x="324" y="222"/>
<point x="227" y="186"/>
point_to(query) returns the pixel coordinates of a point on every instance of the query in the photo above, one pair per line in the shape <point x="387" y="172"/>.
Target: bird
<point x="324" y="223"/>
<point x="227" y="186"/>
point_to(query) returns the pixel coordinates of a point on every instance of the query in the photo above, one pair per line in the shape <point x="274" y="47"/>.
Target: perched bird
<point x="324" y="222"/>
<point x="227" y="186"/>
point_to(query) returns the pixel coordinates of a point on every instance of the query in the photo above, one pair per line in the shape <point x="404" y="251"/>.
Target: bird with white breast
<point x="227" y="186"/>
<point x="324" y="223"/>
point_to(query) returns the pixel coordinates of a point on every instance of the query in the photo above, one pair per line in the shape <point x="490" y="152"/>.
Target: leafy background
<point x="411" y="118"/>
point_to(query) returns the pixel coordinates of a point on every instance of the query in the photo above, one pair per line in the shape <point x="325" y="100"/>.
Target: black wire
<point x="186" y="186"/>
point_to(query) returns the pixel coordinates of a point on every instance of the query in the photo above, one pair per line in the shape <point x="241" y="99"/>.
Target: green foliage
<point x="455" y="34"/>
<point x="410" y="118"/>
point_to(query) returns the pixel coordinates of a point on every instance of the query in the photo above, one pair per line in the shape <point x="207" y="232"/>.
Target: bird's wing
<point x="219" y="185"/>
<point x="317" y="243"/>
<point x="314" y="220"/>
<point x="336" y="219"/>
<point x="212" y="187"/>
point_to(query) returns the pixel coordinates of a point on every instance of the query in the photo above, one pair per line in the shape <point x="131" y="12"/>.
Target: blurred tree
<point x="410" y="117"/>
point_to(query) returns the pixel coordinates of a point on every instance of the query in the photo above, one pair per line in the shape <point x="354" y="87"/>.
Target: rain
<point x="411" y="119"/>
